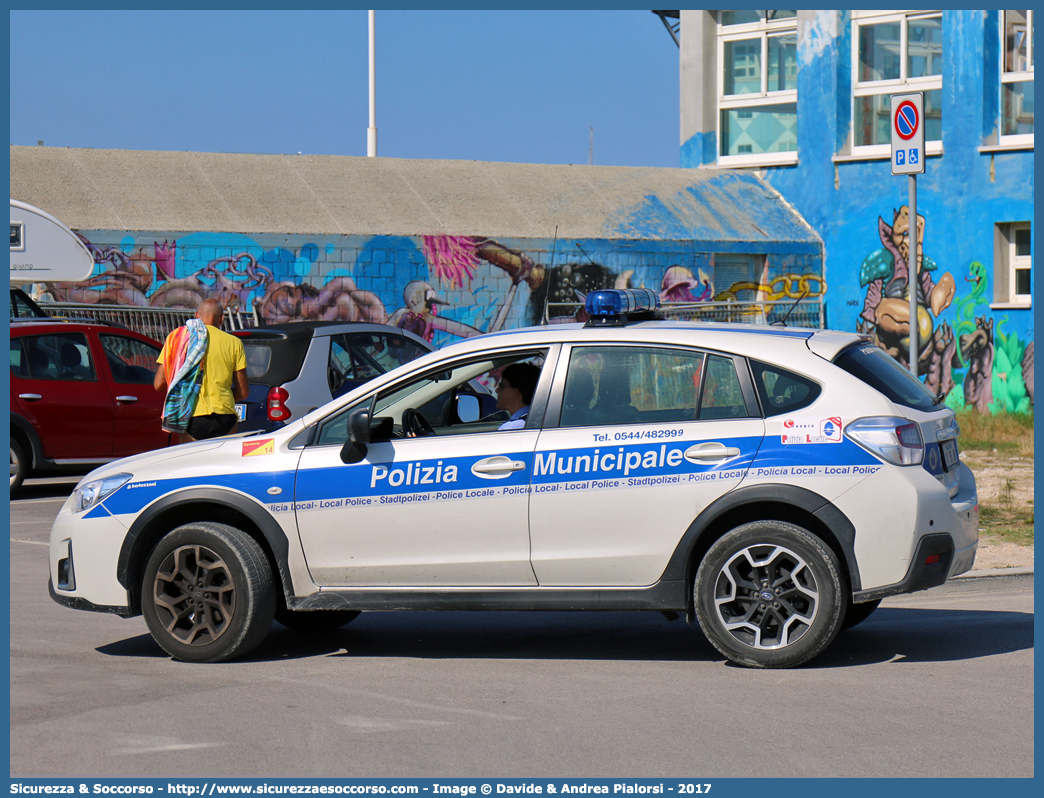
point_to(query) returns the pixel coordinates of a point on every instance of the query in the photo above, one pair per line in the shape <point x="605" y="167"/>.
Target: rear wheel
<point x="19" y="465"/>
<point x="768" y="595"/>
<point x="315" y="620"/>
<point x="857" y="613"/>
<point x="207" y="593"/>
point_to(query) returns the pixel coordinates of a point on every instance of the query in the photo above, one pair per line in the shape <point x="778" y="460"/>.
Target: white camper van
<point x="43" y="250"/>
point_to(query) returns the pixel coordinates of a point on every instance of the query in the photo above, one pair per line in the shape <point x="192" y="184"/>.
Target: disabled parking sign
<point x="908" y="133"/>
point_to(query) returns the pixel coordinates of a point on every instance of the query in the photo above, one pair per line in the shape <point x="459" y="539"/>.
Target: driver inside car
<point x="515" y="392"/>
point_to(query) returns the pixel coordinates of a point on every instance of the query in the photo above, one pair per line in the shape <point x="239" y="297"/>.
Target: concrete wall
<point x="979" y="350"/>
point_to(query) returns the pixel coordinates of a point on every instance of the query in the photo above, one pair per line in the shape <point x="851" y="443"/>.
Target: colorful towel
<point x="183" y="366"/>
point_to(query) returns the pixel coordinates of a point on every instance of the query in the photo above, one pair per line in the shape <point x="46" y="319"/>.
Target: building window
<point x="1016" y="111"/>
<point x="757" y="87"/>
<point x="895" y="53"/>
<point x="1014" y="264"/>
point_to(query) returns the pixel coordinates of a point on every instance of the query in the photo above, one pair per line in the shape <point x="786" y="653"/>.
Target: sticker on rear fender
<point x="811" y="430"/>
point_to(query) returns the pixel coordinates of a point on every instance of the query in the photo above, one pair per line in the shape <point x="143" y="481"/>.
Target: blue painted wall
<point x="984" y="356"/>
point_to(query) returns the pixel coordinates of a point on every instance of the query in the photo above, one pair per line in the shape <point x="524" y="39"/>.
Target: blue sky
<point x="521" y="86"/>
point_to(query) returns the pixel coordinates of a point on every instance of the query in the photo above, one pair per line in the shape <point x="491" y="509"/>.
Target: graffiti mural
<point x="963" y="354"/>
<point x="440" y="287"/>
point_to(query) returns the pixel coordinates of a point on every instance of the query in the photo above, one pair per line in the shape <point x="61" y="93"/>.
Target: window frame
<point x="761" y="31"/>
<point x="1007" y="263"/>
<point x="1017" y="263"/>
<point x="1022" y="76"/>
<point x="904" y="83"/>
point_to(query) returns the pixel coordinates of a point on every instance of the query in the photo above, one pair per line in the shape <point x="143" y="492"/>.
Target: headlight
<point x="90" y="493"/>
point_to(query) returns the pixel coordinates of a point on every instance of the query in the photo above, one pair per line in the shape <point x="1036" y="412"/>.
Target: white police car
<point x="772" y="483"/>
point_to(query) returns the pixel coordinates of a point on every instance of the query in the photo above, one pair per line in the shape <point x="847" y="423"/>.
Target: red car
<point x="81" y="395"/>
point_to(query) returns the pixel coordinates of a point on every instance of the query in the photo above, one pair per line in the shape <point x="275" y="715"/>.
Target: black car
<point x="298" y="366"/>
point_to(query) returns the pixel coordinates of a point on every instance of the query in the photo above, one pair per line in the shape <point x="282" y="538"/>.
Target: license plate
<point x="949" y="454"/>
<point x="241" y="412"/>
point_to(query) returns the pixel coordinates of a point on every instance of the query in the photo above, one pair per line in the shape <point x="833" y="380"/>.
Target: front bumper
<point x="83" y="558"/>
<point x="83" y="604"/>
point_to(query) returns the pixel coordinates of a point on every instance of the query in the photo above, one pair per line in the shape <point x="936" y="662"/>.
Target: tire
<point x="855" y="614"/>
<point x="232" y="617"/>
<point x="802" y="612"/>
<point x="19" y="465"/>
<point x="315" y="620"/>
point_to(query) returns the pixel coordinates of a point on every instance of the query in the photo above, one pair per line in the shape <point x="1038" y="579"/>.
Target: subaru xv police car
<point x="772" y="483"/>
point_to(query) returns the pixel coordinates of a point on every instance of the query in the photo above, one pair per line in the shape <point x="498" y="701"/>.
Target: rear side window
<point x="275" y="357"/>
<point x="877" y="369"/>
<point x="628" y="385"/>
<point x="782" y="391"/>
<point x="130" y="360"/>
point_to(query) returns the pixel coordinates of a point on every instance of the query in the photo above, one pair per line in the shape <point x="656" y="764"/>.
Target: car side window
<point x="722" y="394"/>
<point x="457" y="399"/>
<point x="131" y="361"/>
<point x="61" y="356"/>
<point x="782" y="391"/>
<point x="356" y="358"/>
<point x="627" y="385"/>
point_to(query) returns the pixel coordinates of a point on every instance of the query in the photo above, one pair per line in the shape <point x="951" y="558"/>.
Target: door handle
<point x="710" y="452"/>
<point x="496" y="467"/>
<point x="30" y="397"/>
<point x="126" y="398"/>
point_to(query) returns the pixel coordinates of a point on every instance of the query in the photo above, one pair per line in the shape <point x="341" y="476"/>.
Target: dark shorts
<point x="213" y="426"/>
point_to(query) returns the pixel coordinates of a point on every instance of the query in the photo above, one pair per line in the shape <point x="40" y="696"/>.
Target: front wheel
<point x="768" y="594"/>
<point x="207" y="593"/>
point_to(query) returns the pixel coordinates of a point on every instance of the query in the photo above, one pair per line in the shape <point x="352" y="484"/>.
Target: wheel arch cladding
<point x="195" y="505"/>
<point x="766" y="502"/>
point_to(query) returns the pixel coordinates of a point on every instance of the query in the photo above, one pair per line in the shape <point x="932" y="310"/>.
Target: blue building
<point x="802" y="98"/>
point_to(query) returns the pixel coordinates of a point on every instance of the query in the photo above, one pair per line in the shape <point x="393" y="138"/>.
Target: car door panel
<point x="618" y="459"/>
<point x="459" y="505"/>
<point x="71" y="412"/>
<point x="129" y="366"/>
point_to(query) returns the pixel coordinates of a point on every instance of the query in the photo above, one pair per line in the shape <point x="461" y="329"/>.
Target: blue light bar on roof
<point x="621" y="302"/>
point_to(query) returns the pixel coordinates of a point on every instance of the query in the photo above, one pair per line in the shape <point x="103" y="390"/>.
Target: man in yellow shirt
<point x="224" y="377"/>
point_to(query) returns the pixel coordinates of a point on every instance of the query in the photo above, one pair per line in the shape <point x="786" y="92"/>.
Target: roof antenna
<point x="550" y="277"/>
<point x="585" y="254"/>
<point x="783" y="322"/>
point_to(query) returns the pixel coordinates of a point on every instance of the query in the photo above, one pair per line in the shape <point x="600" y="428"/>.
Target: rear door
<point x="647" y="438"/>
<point x="55" y="384"/>
<point x="130" y="365"/>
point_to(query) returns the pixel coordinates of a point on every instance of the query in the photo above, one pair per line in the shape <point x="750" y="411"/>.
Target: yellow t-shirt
<point x="224" y="357"/>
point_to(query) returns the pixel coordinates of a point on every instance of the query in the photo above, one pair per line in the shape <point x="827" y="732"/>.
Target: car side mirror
<point x="468" y="408"/>
<point x="354" y="449"/>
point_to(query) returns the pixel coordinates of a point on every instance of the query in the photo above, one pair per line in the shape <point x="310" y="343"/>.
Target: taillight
<point x="896" y="440"/>
<point x="275" y="404"/>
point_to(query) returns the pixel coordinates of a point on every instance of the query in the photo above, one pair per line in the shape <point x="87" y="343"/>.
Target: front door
<point x="439" y="504"/>
<point x="55" y="383"/>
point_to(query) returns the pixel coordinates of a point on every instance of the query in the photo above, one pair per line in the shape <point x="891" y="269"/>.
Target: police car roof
<point x="746" y="339"/>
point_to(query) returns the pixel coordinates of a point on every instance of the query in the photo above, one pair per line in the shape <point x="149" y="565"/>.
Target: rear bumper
<point x="941" y="555"/>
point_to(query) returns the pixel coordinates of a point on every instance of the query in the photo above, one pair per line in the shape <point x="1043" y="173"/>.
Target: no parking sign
<point x="908" y="133"/>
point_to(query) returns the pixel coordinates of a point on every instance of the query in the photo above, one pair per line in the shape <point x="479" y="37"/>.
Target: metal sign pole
<point x="908" y="159"/>
<point x="914" y="278"/>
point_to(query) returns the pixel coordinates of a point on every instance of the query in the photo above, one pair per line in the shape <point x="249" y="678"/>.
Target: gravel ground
<point x="996" y="473"/>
